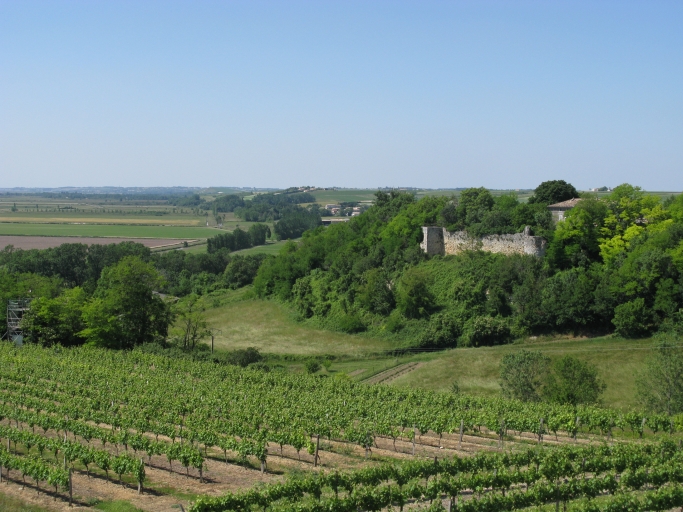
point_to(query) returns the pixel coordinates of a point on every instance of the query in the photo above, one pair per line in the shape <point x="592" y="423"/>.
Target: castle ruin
<point x="438" y="240"/>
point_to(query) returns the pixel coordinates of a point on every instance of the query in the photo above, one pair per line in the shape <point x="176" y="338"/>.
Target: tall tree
<point x="125" y="310"/>
<point x="554" y="191"/>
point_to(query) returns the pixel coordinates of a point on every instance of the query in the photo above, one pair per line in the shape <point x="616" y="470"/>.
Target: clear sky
<point x="358" y="94"/>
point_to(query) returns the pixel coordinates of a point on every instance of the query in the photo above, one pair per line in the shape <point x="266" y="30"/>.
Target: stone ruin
<point x="438" y="240"/>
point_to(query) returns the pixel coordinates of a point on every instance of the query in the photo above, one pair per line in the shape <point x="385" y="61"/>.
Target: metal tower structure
<point x="15" y="312"/>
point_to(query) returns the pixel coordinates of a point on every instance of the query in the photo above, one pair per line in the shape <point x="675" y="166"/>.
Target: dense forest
<point x="615" y="264"/>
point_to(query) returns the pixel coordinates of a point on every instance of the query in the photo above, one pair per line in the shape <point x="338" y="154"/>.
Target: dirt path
<point x="392" y="373"/>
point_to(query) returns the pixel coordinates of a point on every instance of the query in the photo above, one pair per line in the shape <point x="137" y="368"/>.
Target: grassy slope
<point x="269" y="326"/>
<point x="476" y="369"/>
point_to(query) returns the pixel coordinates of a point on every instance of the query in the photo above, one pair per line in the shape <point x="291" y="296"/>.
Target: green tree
<point x="125" y="310"/>
<point x="554" y="191"/>
<point x="413" y="297"/>
<point x="522" y="374"/>
<point x="57" y="320"/>
<point x="660" y="385"/>
<point x="191" y="322"/>
<point x="375" y="292"/>
<point x="573" y="382"/>
<point x="632" y="319"/>
<point x="258" y="234"/>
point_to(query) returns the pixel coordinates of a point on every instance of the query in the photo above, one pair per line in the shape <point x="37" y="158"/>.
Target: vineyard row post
<point x="462" y="426"/>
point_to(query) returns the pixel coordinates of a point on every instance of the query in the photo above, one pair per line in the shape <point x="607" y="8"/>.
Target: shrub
<point x="413" y="297"/>
<point x="350" y="323"/>
<point x="312" y="366"/>
<point x="522" y="373"/>
<point x="443" y="331"/>
<point x="632" y="319"/>
<point x="243" y="357"/>
<point x="485" y="331"/>
<point x="573" y="382"/>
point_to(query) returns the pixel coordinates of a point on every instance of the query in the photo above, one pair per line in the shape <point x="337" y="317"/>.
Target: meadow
<point x="273" y="329"/>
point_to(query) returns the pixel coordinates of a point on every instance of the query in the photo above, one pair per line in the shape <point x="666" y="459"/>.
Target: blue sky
<point x="357" y="94"/>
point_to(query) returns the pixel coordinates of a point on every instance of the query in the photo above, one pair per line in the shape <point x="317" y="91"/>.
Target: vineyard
<point x="73" y="410"/>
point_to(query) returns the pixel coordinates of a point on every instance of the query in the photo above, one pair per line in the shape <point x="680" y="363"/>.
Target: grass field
<point x="476" y="369"/>
<point x="269" y="248"/>
<point x="120" y="231"/>
<point x="271" y="328"/>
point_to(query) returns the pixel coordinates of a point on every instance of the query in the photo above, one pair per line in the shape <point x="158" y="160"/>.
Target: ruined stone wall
<point x="439" y="241"/>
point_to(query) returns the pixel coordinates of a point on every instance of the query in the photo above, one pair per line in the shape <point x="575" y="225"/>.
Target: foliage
<point x="554" y="191"/>
<point x="572" y="382"/>
<point x="56" y="320"/>
<point x="485" y="331"/>
<point x="295" y="220"/>
<point x="239" y="239"/>
<point x="191" y="322"/>
<point x="74" y="264"/>
<point x="312" y="366"/>
<point x="125" y="311"/>
<point x="660" y="386"/>
<point x="413" y="297"/>
<point x="632" y="319"/>
<point x="522" y="374"/>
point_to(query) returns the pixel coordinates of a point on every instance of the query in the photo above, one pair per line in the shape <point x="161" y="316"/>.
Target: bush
<point x="312" y="366"/>
<point x="632" y="319"/>
<point x="485" y="331"/>
<point x="521" y="375"/>
<point x="394" y="322"/>
<point x="243" y="357"/>
<point x="573" y="382"/>
<point x="413" y="297"/>
<point x="443" y="331"/>
<point x="350" y="323"/>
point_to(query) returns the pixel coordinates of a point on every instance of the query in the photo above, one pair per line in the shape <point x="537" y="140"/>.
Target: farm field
<point x="100" y="230"/>
<point x="103" y="218"/>
<point x="46" y="242"/>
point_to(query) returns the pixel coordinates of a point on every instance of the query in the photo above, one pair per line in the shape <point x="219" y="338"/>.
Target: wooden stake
<point x="317" y="448"/>
<point x="414" y="434"/>
<point x="71" y="488"/>
<point x="462" y="427"/>
<point x="540" y="432"/>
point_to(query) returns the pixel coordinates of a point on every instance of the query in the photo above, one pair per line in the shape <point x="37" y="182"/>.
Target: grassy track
<point x="122" y="231"/>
